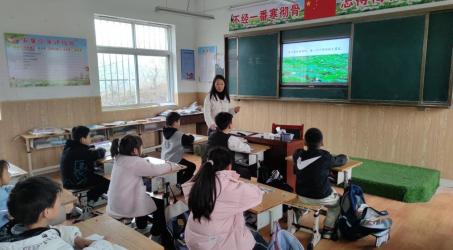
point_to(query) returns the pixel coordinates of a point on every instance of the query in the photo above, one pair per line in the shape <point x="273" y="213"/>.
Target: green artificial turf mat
<point x="396" y="181"/>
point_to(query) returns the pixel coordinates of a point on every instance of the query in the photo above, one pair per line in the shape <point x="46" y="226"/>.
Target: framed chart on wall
<point x="46" y="61"/>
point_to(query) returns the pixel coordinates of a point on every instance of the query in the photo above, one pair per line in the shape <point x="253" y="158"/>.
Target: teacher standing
<point x="218" y="100"/>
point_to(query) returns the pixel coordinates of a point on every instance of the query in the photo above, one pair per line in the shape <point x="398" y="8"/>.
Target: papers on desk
<point x="100" y="244"/>
<point x="155" y="161"/>
<point x="241" y="133"/>
<point x="268" y="136"/>
<point x="265" y="190"/>
<point x="95" y="126"/>
<point x="116" y="123"/>
<point x="15" y="170"/>
<point x="198" y="137"/>
<point x="156" y="119"/>
<point x="192" y="109"/>
<point x="105" y="145"/>
<point x="46" y="131"/>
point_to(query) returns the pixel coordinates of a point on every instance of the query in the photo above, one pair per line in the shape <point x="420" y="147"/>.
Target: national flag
<point x="319" y="8"/>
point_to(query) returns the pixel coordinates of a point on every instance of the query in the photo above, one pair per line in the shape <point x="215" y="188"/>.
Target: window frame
<point x="136" y="52"/>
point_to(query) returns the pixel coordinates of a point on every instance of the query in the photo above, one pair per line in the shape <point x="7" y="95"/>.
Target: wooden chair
<point x="297" y="130"/>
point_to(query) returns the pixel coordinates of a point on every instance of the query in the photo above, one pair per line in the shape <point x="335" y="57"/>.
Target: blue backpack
<point x="358" y="220"/>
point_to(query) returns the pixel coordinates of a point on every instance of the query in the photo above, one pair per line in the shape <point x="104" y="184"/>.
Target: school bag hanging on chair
<point x="358" y="220"/>
<point x="283" y="240"/>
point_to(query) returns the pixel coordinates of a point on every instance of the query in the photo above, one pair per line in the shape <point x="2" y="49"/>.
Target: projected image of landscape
<point x="316" y="62"/>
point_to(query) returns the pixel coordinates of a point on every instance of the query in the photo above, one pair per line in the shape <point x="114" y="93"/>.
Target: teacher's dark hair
<point x="224" y="94"/>
<point x="203" y="195"/>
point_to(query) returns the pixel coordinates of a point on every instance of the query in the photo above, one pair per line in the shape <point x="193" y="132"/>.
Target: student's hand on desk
<point x="237" y="109"/>
<point x="80" y="242"/>
<point x="213" y="126"/>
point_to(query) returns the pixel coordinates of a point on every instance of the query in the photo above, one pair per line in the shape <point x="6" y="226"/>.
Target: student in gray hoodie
<point x="173" y="145"/>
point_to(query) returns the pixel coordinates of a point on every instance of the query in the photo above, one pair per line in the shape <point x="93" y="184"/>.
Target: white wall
<point x="74" y="18"/>
<point x="212" y="32"/>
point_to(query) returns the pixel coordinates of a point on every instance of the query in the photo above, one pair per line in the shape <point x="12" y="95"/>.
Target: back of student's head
<point x="80" y="132"/>
<point x="203" y="195"/>
<point x="126" y="145"/>
<point x="223" y="120"/>
<point x="30" y="197"/>
<point x="313" y="138"/>
<point x="172" y="117"/>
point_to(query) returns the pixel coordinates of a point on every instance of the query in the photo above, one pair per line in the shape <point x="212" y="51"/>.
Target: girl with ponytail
<point x="217" y="200"/>
<point x="127" y="196"/>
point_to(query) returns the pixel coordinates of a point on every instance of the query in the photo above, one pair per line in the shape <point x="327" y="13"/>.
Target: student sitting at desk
<point x="5" y="190"/>
<point x="222" y="138"/>
<point x="34" y="203"/>
<point x="78" y="162"/>
<point x="173" y="146"/>
<point x="217" y="200"/>
<point x="312" y="168"/>
<point x="127" y="196"/>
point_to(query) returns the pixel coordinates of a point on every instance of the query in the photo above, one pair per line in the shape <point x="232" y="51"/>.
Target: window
<point x="134" y="62"/>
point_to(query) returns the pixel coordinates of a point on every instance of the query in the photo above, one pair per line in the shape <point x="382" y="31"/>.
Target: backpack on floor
<point x="358" y="220"/>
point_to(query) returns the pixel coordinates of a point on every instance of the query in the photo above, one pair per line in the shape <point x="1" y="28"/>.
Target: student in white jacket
<point x="218" y="100"/>
<point x="33" y="203"/>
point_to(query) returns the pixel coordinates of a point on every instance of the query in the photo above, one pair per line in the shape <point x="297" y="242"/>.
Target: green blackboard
<point x="438" y="58"/>
<point x="232" y="66"/>
<point x="317" y="33"/>
<point x="387" y="61"/>
<point x="258" y="60"/>
<point x="387" y="58"/>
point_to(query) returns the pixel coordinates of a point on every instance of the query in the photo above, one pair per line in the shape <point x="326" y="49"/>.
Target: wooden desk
<point x="200" y="139"/>
<point x="271" y="208"/>
<point x="30" y="147"/>
<point x="118" y="233"/>
<point x="344" y="172"/>
<point x="198" y="119"/>
<point x="257" y="155"/>
<point x="258" y="148"/>
<point x="141" y="127"/>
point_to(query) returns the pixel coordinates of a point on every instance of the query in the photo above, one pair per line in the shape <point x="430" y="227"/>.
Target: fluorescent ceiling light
<point x="184" y="12"/>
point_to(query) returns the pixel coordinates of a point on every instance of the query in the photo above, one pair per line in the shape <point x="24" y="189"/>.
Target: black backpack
<point x="358" y="220"/>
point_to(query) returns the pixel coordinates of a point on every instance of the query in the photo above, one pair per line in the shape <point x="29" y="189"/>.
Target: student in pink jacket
<point x="127" y="196"/>
<point x="217" y="200"/>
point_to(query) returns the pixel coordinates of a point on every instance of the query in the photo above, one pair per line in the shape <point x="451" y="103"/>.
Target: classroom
<point x="226" y="124"/>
